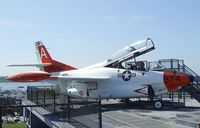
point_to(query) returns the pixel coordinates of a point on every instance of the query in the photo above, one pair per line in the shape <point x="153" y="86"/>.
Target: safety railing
<point x="78" y="111"/>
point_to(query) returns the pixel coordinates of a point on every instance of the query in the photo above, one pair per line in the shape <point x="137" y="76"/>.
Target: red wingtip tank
<point x="30" y="76"/>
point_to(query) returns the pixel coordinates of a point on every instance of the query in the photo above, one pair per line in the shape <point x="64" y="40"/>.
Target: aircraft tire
<point x="158" y="104"/>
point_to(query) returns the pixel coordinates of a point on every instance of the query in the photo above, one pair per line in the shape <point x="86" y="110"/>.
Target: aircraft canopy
<point x="136" y="49"/>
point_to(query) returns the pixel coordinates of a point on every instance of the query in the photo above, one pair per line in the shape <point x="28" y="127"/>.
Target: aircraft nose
<point x="174" y="80"/>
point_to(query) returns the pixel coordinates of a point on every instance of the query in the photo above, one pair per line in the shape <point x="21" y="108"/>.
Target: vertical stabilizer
<point x="44" y="57"/>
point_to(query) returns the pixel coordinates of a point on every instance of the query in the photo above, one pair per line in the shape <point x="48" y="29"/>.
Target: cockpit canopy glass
<point x="141" y="47"/>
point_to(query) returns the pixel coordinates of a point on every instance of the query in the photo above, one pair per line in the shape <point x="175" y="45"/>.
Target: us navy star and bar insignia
<point x="126" y="75"/>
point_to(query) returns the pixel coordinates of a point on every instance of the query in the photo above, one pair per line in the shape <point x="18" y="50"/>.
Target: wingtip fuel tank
<point x="29" y="76"/>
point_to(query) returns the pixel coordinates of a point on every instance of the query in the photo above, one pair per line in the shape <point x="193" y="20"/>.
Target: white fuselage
<point x="118" y="86"/>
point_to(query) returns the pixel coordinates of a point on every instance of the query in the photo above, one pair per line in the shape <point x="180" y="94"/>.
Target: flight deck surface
<point x="117" y="115"/>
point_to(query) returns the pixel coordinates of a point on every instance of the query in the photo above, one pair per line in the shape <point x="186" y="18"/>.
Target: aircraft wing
<point x="81" y="78"/>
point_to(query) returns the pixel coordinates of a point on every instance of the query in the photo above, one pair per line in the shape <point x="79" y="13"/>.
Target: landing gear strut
<point x="126" y="100"/>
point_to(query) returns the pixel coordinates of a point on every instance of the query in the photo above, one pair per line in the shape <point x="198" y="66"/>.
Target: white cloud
<point x="9" y="23"/>
<point x="136" y="18"/>
<point x="141" y="18"/>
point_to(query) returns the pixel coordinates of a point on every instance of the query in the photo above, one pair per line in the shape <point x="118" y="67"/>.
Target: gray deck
<point x="51" y="120"/>
<point x="118" y="115"/>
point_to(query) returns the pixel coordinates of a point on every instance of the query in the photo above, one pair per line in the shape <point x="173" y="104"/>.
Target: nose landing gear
<point x="158" y="104"/>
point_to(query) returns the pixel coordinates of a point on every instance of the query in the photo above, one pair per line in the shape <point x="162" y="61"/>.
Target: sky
<point x="85" y="32"/>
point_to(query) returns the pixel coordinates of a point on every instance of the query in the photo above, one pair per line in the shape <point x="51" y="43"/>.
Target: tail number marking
<point x="171" y="79"/>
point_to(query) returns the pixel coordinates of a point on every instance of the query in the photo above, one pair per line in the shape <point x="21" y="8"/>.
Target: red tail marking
<point x="55" y="65"/>
<point x="45" y="57"/>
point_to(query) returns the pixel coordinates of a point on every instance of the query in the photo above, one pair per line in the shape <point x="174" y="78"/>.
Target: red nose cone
<point x="175" y="80"/>
<point x="30" y="76"/>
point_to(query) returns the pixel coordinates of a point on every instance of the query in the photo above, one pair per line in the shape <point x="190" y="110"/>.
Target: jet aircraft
<point x="110" y="79"/>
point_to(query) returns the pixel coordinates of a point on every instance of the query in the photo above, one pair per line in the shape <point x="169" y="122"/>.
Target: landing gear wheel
<point x="158" y="104"/>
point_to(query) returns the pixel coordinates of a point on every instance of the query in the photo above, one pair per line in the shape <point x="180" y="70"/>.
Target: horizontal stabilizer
<point x="30" y="65"/>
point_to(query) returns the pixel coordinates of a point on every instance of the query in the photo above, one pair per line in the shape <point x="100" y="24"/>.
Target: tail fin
<point x="44" y="57"/>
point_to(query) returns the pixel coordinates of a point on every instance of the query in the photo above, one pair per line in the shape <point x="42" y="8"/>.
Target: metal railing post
<point x="52" y="91"/>
<point x="37" y="96"/>
<point x="31" y="94"/>
<point x="170" y="95"/>
<point x="27" y="93"/>
<point x="68" y="108"/>
<point x="1" y="114"/>
<point x="178" y="67"/>
<point x="184" y="68"/>
<point x="184" y="97"/>
<point x="100" y="113"/>
<point x="171" y="61"/>
<point x="178" y="96"/>
<point x="54" y="101"/>
<point x="44" y="97"/>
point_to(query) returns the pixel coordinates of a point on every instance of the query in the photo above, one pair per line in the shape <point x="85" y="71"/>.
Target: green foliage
<point x="14" y="125"/>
